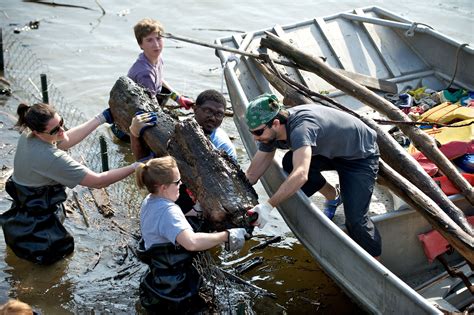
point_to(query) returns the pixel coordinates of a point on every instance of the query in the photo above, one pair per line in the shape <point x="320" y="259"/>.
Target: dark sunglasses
<point x="55" y="130"/>
<point x="260" y="131"/>
<point x="177" y="182"/>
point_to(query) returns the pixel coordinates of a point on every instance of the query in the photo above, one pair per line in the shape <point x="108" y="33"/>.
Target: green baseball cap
<point x="262" y="109"/>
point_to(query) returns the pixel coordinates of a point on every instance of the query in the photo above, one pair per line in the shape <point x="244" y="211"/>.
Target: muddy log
<point x="212" y="176"/>
<point x="398" y="159"/>
<point x="421" y="140"/>
<point x="458" y="238"/>
<point x="222" y="188"/>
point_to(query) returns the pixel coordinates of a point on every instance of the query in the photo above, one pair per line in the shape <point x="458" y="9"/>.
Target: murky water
<point x="86" y="52"/>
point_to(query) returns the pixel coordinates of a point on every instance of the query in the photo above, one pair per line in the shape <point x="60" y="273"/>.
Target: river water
<point x="86" y="51"/>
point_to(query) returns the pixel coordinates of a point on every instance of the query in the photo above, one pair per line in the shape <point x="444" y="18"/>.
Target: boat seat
<point x="435" y="245"/>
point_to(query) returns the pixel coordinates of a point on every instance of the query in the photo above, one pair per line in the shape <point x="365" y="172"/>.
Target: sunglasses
<point x="260" y="131"/>
<point x="55" y="130"/>
<point x="177" y="182"/>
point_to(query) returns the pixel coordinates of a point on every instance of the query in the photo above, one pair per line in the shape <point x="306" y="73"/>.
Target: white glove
<point x="236" y="239"/>
<point x="263" y="210"/>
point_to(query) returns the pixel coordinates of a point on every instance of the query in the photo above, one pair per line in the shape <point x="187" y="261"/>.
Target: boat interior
<point x="375" y="46"/>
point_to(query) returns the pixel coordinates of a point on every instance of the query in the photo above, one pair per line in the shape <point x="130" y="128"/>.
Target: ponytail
<point x="34" y="117"/>
<point x="155" y="172"/>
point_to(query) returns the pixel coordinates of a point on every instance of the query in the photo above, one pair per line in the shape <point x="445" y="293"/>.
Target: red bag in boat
<point x="447" y="186"/>
<point x="452" y="150"/>
<point x="434" y="244"/>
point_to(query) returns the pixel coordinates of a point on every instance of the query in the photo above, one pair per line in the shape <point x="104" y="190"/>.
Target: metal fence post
<point x="103" y="154"/>
<point x="44" y="88"/>
<point x="2" y="64"/>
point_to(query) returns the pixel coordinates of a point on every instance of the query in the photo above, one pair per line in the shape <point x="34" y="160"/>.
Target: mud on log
<point x="212" y="176"/>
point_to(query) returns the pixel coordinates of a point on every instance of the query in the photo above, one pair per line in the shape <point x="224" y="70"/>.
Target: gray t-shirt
<point x="161" y="220"/>
<point x="330" y="132"/>
<point x="38" y="163"/>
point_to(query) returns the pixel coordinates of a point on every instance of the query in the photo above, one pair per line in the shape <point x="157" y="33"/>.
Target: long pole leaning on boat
<point x="417" y="199"/>
<point x="377" y="84"/>
<point x="421" y="140"/>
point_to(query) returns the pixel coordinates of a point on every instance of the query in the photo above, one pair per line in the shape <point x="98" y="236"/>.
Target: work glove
<point x="236" y="239"/>
<point x="183" y="101"/>
<point x="105" y="117"/>
<point x="141" y="122"/>
<point x="263" y="211"/>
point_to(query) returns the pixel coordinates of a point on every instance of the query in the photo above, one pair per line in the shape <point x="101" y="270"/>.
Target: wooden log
<point x="390" y="150"/>
<point x="217" y="181"/>
<point x="102" y="202"/>
<point x="219" y="184"/>
<point x="421" y="140"/>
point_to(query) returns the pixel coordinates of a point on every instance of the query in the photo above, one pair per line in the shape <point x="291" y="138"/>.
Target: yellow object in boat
<point x="447" y="113"/>
<point x="448" y="134"/>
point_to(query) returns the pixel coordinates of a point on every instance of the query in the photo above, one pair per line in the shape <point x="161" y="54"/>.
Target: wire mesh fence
<point x="23" y="69"/>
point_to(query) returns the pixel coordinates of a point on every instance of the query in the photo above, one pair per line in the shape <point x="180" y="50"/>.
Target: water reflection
<point x="39" y="285"/>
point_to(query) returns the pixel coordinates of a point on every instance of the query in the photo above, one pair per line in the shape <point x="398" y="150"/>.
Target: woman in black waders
<point x="169" y="242"/>
<point x="42" y="169"/>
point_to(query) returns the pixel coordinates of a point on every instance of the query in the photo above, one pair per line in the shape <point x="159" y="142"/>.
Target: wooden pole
<point x="421" y="140"/>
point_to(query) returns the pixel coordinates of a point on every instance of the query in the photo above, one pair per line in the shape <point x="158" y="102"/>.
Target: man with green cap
<point x="318" y="138"/>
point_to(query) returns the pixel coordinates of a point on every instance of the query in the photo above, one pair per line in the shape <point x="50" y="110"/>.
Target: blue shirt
<point x="161" y="220"/>
<point x="221" y="141"/>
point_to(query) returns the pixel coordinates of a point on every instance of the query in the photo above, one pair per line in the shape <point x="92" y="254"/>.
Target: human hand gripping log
<point x="260" y="214"/>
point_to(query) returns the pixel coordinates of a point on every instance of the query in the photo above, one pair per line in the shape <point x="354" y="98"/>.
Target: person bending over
<point x="318" y="138"/>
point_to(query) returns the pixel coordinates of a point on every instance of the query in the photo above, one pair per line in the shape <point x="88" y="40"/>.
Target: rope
<point x="456" y="64"/>
<point x="411" y="31"/>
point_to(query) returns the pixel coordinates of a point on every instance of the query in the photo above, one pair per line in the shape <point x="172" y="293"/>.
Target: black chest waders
<point x="32" y="227"/>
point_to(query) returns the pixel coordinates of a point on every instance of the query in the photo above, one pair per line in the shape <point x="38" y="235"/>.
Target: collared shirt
<point x="146" y="74"/>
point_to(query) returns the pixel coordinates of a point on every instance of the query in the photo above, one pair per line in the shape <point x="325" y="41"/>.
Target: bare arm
<point x="200" y="241"/>
<point x="139" y="149"/>
<point x="100" y="180"/>
<point x="78" y="133"/>
<point x="167" y="85"/>
<point x="260" y="162"/>
<point x="296" y="179"/>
